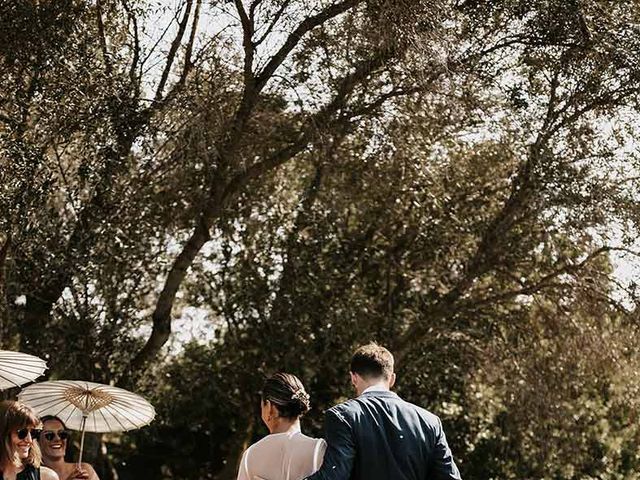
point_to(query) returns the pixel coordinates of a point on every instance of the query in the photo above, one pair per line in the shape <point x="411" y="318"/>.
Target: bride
<point x="285" y="454"/>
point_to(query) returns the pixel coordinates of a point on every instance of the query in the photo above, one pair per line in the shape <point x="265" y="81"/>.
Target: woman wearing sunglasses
<point x="287" y="453"/>
<point x="53" y="443"/>
<point x="19" y="454"/>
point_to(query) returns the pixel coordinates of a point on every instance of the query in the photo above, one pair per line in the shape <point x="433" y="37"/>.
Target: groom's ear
<point x="392" y="380"/>
<point x="354" y="379"/>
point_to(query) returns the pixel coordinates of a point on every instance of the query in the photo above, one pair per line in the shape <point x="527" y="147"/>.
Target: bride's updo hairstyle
<point x="287" y="393"/>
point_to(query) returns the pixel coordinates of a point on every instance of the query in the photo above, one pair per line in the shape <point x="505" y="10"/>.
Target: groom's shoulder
<point x="425" y="414"/>
<point x="429" y="421"/>
<point x="345" y="407"/>
<point x="347" y="410"/>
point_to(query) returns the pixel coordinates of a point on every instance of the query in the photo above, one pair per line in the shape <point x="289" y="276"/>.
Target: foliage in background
<point x="456" y="180"/>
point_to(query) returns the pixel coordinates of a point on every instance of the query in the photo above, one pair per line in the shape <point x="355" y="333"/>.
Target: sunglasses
<point x="24" y="433"/>
<point x="61" y="434"/>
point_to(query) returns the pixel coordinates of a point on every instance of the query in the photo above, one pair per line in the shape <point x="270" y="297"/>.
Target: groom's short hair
<point x="372" y="361"/>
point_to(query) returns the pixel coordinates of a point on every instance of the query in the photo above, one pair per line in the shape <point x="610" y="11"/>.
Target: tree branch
<point x="253" y="84"/>
<point x="273" y="23"/>
<point x="310" y="127"/>
<point x="177" y="41"/>
<point x="103" y="39"/>
<point x="490" y="240"/>
<point x="540" y="285"/>
<point x="377" y="103"/>
<point x="161" y="316"/>
<point x="188" y="64"/>
<point x="136" y="46"/>
<point x="247" y="42"/>
<point x="292" y="40"/>
<point x="254" y="6"/>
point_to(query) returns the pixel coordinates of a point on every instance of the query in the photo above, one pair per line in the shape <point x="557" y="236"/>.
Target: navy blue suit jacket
<point x="379" y="436"/>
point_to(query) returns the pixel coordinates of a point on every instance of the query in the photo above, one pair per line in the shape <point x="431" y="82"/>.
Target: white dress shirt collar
<point x="378" y="387"/>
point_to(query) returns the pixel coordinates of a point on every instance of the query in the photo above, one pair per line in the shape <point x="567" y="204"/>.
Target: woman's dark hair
<point x="46" y="418"/>
<point x="287" y="393"/>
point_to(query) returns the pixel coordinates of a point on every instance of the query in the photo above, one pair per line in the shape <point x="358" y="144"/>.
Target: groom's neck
<point x="377" y="384"/>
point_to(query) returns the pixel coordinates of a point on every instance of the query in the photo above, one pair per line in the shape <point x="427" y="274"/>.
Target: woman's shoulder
<point x="257" y="453"/>
<point x="264" y="443"/>
<point x="47" y="474"/>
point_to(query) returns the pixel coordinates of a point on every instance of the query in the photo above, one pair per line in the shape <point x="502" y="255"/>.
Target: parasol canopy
<point x="101" y="408"/>
<point x="17" y="368"/>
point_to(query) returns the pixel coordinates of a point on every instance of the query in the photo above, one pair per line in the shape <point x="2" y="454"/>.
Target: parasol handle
<point x="84" y="421"/>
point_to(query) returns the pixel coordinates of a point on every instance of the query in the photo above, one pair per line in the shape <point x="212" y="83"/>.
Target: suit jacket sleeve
<point x="341" y="450"/>
<point x="444" y="467"/>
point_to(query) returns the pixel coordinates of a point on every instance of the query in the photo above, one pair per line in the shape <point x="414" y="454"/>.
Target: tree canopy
<point x="457" y="180"/>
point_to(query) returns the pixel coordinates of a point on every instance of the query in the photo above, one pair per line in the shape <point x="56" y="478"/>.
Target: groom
<point x="379" y="436"/>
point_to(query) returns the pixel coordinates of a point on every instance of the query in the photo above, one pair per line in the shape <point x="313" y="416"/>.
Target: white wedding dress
<point x="282" y="456"/>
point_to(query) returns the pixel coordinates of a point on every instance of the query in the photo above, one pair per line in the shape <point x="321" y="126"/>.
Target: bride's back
<point x="282" y="456"/>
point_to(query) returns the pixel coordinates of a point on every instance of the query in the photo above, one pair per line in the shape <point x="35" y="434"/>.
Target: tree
<point x="439" y="176"/>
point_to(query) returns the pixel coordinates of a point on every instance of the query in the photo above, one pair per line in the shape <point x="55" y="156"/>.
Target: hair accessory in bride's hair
<point x="301" y="395"/>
